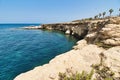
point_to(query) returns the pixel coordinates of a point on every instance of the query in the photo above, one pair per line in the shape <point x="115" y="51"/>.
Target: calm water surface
<point x="22" y="50"/>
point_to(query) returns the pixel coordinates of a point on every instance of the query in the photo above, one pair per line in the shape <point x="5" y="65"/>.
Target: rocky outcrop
<point x="113" y="59"/>
<point x="86" y="52"/>
<point x="76" y="29"/>
<point x="105" y="31"/>
<point x="110" y="34"/>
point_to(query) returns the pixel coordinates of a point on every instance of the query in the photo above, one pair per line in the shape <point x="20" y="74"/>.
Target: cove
<point x="22" y="50"/>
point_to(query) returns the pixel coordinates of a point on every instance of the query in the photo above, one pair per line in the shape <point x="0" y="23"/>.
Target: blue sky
<point x="51" y="11"/>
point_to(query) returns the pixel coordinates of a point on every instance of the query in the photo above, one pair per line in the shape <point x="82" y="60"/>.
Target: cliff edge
<point x="97" y="37"/>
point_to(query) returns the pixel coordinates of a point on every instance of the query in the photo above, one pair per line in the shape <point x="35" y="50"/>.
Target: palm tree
<point x="111" y="10"/>
<point x="96" y="17"/>
<point x="103" y="14"/>
<point x="100" y="15"/>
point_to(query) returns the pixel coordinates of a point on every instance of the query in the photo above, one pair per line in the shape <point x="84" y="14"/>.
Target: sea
<point x="22" y="50"/>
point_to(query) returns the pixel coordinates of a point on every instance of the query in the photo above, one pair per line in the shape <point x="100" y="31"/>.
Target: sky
<point x="53" y="11"/>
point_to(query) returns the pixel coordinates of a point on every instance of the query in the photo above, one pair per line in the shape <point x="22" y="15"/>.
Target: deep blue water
<point x="22" y="50"/>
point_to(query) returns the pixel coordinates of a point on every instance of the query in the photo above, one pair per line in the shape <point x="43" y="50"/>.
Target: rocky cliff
<point x="98" y="37"/>
<point x="104" y="31"/>
<point x="77" y="29"/>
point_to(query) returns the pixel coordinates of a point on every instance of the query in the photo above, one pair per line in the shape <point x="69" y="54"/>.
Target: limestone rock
<point x="113" y="59"/>
<point x="114" y="20"/>
<point x="110" y="34"/>
<point x="68" y="32"/>
<point x="80" y="44"/>
<point x="114" y="42"/>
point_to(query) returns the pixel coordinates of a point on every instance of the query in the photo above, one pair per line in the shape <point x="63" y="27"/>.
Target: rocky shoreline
<point x="97" y="36"/>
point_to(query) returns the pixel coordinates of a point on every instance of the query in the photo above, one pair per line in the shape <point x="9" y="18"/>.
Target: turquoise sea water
<point x="22" y="50"/>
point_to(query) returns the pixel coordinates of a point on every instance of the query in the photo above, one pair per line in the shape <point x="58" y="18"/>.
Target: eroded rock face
<point x="114" y="20"/>
<point x="113" y="59"/>
<point x="94" y="29"/>
<point x="76" y="29"/>
<point x="107" y="32"/>
<point x="104" y="30"/>
<point x="111" y="34"/>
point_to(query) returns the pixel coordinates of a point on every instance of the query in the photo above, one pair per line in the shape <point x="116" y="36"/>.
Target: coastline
<point x="69" y="60"/>
<point x="85" y="53"/>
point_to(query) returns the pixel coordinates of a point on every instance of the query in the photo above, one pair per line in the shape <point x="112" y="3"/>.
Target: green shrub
<point x="100" y="44"/>
<point x="101" y="73"/>
<point x="76" y="76"/>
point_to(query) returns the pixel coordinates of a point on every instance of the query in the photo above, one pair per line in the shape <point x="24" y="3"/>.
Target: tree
<point x="100" y="15"/>
<point x="103" y="14"/>
<point x="96" y="17"/>
<point x="111" y="10"/>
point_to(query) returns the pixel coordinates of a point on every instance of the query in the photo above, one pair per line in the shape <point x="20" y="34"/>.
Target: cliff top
<point x="115" y="20"/>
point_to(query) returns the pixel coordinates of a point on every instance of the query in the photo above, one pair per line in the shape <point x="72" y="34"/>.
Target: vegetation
<point x="101" y="44"/>
<point x="96" y="17"/>
<point x="76" y="76"/>
<point x="100" y="15"/>
<point x="99" y="71"/>
<point x="111" y="10"/>
<point x="103" y="73"/>
<point x="103" y="14"/>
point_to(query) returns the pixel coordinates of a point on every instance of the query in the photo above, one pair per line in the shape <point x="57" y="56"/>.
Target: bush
<point x="76" y="76"/>
<point x="103" y="72"/>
